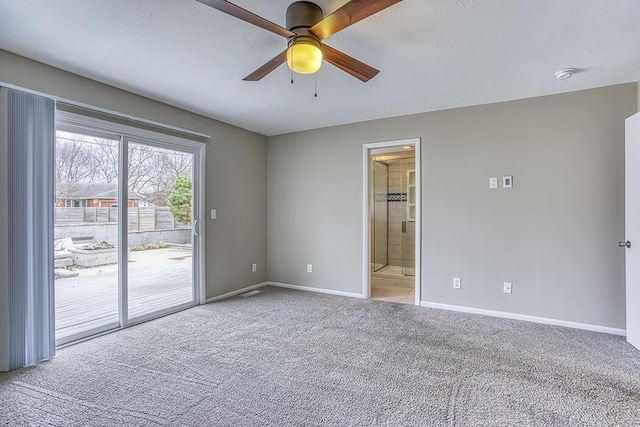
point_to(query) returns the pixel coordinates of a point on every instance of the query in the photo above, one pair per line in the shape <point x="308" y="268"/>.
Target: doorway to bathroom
<point x="392" y="221"/>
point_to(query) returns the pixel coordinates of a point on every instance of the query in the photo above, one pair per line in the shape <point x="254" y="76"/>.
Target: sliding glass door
<point x="126" y="226"/>
<point x="86" y="233"/>
<point x="159" y="229"/>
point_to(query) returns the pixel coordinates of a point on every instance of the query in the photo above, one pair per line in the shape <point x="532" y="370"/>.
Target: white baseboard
<point x="318" y="290"/>
<point x="238" y="292"/>
<point x="436" y="305"/>
<point x="515" y="316"/>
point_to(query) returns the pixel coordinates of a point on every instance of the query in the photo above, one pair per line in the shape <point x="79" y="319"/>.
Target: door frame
<point x="366" y="212"/>
<point x="133" y="134"/>
<point x="632" y="213"/>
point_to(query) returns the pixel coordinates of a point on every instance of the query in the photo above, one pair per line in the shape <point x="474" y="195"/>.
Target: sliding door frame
<point x="130" y="134"/>
<point x="123" y="232"/>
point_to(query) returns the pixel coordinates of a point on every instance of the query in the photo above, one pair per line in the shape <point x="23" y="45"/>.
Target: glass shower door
<point x="380" y="216"/>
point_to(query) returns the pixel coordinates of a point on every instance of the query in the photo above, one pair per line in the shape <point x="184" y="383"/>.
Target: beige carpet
<point x="285" y="357"/>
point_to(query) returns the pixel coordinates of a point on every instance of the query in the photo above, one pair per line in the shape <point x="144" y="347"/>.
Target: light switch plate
<point x="507" y="181"/>
<point x="507" y="287"/>
<point x="493" y="182"/>
<point x="214" y="214"/>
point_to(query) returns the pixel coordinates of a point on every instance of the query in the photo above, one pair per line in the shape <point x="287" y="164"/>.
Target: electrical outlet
<point x="309" y="268"/>
<point x="254" y="267"/>
<point x="493" y="182"/>
<point x="457" y="283"/>
<point x="507" y="287"/>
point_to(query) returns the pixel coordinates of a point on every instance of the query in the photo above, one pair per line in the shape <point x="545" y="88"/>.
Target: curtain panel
<point x="29" y="135"/>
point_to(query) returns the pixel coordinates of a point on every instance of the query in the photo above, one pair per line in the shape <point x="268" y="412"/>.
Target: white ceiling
<point x="433" y="54"/>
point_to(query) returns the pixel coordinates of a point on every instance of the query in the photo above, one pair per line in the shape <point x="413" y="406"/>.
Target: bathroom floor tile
<point x="389" y="299"/>
<point x="392" y="288"/>
<point x="406" y="283"/>
<point x="375" y="281"/>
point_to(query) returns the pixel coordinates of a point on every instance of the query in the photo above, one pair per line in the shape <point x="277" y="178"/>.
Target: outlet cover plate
<point x="457" y="283"/>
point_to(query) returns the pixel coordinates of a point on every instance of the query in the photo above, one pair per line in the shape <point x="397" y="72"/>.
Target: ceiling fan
<point x="306" y="29"/>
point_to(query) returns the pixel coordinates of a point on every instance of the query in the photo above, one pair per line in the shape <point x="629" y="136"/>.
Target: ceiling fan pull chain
<point x="292" y="69"/>
<point x="315" y="79"/>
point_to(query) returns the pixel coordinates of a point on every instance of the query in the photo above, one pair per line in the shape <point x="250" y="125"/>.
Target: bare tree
<point x="177" y="164"/>
<point x="105" y="160"/>
<point x="157" y="170"/>
<point x="152" y="171"/>
<point x="74" y="160"/>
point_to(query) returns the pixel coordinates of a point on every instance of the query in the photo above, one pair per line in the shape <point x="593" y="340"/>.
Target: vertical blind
<point x="30" y="134"/>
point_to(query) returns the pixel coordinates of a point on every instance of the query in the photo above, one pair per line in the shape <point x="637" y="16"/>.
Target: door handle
<point x="194" y="229"/>
<point x="624" y="244"/>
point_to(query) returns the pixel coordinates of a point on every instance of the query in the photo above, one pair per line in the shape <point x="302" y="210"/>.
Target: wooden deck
<point x="156" y="281"/>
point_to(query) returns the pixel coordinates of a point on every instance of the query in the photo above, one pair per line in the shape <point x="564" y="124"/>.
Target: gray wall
<point x="553" y="235"/>
<point x="236" y="169"/>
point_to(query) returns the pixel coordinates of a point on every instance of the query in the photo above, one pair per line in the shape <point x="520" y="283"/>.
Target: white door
<point x="632" y="227"/>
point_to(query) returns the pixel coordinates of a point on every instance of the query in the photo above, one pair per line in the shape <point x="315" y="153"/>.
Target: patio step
<point x="64" y="274"/>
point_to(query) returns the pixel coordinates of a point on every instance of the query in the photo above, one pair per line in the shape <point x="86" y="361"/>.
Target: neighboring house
<point x="156" y="198"/>
<point x="90" y="195"/>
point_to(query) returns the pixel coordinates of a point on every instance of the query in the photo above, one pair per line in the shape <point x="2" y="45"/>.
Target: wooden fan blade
<point x="349" y="14"/>
<point x="350" y="65"/>
<point x="258" y="74"/>
<point x="245" y="15"/>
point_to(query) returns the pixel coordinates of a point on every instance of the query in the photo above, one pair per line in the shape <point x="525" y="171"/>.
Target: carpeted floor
<point x="285" y="357"/>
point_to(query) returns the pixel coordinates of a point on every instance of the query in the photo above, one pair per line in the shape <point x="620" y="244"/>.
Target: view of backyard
<point x="90" y="299"/>
<point x="160" y="262"/>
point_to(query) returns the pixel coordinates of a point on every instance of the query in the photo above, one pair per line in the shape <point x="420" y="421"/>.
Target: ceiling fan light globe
<point x="304" y="58"/>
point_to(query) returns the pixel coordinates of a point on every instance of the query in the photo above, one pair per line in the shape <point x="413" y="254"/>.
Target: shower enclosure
<point x="393" y="214"/>
<point x="380" y="218"/>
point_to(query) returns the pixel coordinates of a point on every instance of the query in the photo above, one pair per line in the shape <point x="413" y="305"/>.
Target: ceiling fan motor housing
<point x="303" y="15"/>
<point x="304" y="50"/>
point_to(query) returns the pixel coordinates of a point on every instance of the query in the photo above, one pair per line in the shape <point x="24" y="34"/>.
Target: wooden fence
<point x="140" y="219"/>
